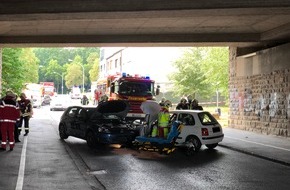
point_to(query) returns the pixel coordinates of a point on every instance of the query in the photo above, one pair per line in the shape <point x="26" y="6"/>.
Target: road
<point x="51" y="163"/>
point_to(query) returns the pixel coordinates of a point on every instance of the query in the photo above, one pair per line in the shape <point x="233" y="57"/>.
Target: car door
<point x="71" y="120"/>
<point x="81" y="123"/>
<point x="189" y="126"/>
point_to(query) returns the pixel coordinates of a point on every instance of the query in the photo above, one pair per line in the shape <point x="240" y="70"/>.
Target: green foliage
<point x="74" y="76"/>
<point x="13" y="70"/>
<point x="93" y="65"/>
<point x="94" y="72"/>
<point x="30" y="61"/>
<point x="201" y="71"/>
<point x="64" y="57"/>
<point x="30" y="65"/>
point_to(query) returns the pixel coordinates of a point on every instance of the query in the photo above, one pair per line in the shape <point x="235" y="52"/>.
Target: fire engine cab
<point x="135" y="89"/>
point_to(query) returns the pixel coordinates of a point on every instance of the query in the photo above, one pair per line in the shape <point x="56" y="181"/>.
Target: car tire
<point x="195" y="141"/>
<point x="62" y="131"/>
<point x="211" y="146"/>
<point x="91" y="140"/>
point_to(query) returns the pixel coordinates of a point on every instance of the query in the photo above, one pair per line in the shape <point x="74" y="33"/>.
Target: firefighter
<point x="161" y="103"/>
<point x="195" y="105"/>
<point x="163" y="119"/>
<point x="189" y="102"/>
<point x="182" y="105"/>
<point x="9" y="112"/>
<point x="26" y="113"/>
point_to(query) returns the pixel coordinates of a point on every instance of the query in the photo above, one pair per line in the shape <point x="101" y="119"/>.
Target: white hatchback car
<point x="200" y="128"/>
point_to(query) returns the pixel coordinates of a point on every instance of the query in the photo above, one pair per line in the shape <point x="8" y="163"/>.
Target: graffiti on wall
<point x="273" y="106"/>
<point x="288" y="106"/>
<point x="248" y="106"/>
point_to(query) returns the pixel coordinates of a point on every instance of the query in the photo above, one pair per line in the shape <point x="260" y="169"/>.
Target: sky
<point x="155" y="62"/>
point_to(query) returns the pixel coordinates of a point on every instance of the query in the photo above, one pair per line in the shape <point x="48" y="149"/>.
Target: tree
<point x="201" y="71"/>
<point x="189" y="78"/>
<point x="12" y="70"/>
<point x="94" y="72"/>
<point x="93" y="64"/>
<point x="216" y="65"/>
<point x="74" y="73"/>
<point x="30" y="64"/>
<point x="53" y="73"/>
<point x="63" y="55"/>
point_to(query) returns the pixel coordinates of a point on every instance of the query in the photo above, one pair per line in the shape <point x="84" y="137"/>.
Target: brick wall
<point x="260" y="102"/>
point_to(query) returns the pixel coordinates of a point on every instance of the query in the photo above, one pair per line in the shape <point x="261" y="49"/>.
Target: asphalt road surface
<point x="43" y="161"/>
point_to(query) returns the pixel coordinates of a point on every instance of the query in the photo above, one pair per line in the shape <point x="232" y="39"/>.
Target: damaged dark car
<point x="104" y="124"/>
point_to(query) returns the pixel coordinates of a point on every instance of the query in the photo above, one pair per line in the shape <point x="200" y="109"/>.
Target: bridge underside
<point x="248" y="25"/>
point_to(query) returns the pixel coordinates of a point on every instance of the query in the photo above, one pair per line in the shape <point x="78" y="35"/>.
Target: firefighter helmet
<point x="167" y="103"/>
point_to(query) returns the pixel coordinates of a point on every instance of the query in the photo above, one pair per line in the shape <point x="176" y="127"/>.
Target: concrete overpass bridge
<point x="257" y="32"/>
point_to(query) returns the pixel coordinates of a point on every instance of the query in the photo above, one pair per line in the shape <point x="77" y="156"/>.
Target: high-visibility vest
<point x="163" y="119"/>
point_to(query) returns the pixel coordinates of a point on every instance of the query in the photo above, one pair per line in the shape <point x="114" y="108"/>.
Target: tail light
<point x="204" y="131"/>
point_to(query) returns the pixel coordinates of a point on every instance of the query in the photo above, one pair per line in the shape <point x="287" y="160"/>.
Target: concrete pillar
<point x="0" y="71"/>
<point x="259" y="91"/>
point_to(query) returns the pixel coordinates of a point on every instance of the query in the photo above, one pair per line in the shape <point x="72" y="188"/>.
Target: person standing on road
<point x="26" y="113"/>
<point x="96" y="97"/>
<point x="85" y="100"/>
<point x="9" y="113"/>
<point x="164" y="119"/>
<point x="16" y="133"/>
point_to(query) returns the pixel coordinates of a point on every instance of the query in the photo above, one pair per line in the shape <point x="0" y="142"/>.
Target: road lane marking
<point x="19" y="184"/>
<point x="280" y="148"/>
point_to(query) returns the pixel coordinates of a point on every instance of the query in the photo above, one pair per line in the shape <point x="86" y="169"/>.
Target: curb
<point x="256" y="155"/>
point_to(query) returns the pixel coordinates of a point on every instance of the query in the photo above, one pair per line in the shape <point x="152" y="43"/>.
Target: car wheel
<point x="195" y="141"/>
<point x="211" y="146"/>
<point x="91" y="140"/>
<point x="62" y="132"/>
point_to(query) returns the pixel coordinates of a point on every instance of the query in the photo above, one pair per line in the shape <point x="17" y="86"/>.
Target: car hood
<point x="119" y="108"/>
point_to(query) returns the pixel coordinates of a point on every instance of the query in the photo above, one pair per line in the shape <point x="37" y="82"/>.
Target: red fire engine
<point x="48" y="88"/>
<point x="135" y="89"/>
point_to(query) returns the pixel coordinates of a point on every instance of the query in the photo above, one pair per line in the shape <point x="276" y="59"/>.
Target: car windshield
<point x="206" y="118"/>
<point x="135" y="88"/>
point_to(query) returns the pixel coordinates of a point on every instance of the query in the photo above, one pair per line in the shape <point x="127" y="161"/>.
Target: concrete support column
<point x="0" y="70"/>
<point x="259" y="91"/>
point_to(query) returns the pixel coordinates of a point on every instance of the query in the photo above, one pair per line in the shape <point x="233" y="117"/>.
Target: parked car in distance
<point x="59" y="104"/>
<point x="36" y="101"/>
<point x="76" y="93"/>
<point x="200" y="128"/>
<point x="104" y="124"/>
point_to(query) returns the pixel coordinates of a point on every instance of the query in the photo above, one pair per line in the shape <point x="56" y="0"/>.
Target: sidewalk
<point x="269" y="147"/>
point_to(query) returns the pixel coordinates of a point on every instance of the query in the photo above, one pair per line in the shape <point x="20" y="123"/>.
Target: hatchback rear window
<point x="206" y="118"/>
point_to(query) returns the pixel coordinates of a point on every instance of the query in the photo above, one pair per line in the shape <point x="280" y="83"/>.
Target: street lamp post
<point x="61" y="81"/>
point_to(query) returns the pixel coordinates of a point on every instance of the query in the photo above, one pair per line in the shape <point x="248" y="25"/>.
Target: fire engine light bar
<point x="124" y="74"/>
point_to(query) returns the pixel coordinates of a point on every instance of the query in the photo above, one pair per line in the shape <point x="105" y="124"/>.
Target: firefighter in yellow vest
<point x="163" y="120"/>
